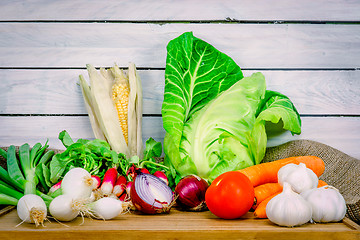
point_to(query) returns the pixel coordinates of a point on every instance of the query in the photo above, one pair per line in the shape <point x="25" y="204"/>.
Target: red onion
<point x="151" y="195"/>
<point x="162" y="176"/>
<point x="191" y="193"/>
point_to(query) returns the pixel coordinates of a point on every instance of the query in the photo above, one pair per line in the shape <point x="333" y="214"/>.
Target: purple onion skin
<point x="190" y="193"/>
<point x="141" y="205"/>
<point x="162" y="176"/>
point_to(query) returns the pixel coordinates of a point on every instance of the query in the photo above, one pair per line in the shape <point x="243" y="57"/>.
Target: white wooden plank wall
<point x="307" y="50"/>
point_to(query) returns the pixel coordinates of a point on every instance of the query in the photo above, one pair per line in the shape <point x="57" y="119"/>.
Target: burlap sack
<point x="341" y="170"/>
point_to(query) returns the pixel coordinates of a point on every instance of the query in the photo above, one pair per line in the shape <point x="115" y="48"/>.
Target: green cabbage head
<point x="214" y="117"/>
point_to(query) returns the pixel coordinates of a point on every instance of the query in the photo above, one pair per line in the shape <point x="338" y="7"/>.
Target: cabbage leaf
<point x="215" y="118"/>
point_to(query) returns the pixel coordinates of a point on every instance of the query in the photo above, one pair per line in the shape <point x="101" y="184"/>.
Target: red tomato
<point x="230" y="195"/>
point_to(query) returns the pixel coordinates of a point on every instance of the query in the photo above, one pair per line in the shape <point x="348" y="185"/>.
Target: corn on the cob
<point x="115" y="107"/>
<point x="105" y="111"/>
<point x="120" y="95"/>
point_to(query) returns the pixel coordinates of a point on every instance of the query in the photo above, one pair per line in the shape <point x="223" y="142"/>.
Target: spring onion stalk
<point x="9" y="195"/>
<point x="4" y="176"/>
<point x="25" y="171"/>
<point x="7" y="200"/>
<point x="7" y="181"/>
<point x="8" y="190"/>
<point x="3" y="153"/>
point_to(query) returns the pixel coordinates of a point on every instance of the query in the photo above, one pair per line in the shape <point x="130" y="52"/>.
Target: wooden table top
<point x="175" y="225"/>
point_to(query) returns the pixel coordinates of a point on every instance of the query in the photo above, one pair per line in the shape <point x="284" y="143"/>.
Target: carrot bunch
<point x="265" y="181"/>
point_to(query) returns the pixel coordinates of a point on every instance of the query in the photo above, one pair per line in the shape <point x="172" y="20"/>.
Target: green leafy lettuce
<point x="214" y="117"/>
<point x="96" y="156"/>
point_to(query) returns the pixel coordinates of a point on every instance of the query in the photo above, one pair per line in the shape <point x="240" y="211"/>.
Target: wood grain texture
<point x="338" y="132"/>
<point x="6" y="210"/>
<point x="127" y="10"/>
<point x="57" y="91"/>
<point x="316" y="65"/>
<point x="250" y="45"/>
<point x="175" y="225"/>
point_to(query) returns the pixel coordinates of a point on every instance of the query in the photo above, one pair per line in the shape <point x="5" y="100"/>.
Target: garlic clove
<point x="288" y="208"/>
<point x="327" y="204"/>
<point x="299" y="177"/>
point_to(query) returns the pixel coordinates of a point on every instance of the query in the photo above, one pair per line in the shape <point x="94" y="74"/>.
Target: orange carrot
<point x="322" y="183"/>
<point x="260" y="211"/>
<point x="267" y="172"/>
<point x="264" y="191"/>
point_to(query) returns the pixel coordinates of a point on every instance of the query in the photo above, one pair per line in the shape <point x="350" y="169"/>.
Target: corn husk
<point x="102" y="110"/>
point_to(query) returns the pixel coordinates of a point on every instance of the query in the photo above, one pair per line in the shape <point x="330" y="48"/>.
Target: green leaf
<point x="41" y="177"/>
<point x="39" y="155"/>
<point x="57" y="168"/>
<point x="56" y="193"/>
<point x="276" y="107"/>
<point x="95" y="156"/>
<point x="152" y="149"/>
<point x="34" y="151"/>
<point x="46" y="175"/>
<point x="195" y="74"/>
<point x="65" y="138"/>
<point x="134" y="160"/>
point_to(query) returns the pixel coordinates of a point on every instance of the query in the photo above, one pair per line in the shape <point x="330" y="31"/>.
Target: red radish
<point x="55" y="187"/>
<point x="133" y="171"/>
<point x="144" y="170"/>
<point x="123" y="197"/>
<point x="120" y="186"/>
<point x="97" y="181"/>
<point x="162" y="176"/>
<point x="109" y="180"/>
<point x="128" y="188"/>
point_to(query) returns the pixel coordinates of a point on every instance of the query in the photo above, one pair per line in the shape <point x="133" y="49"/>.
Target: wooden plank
<point x="6" y="210"/>
<point x="175" y="225"/>
<point x="351" y="224"/>
<point x="57" y="92"/>
<point x="338" y="132"/>
<point x="245" y="10"/>
<point x="250" y="45"/>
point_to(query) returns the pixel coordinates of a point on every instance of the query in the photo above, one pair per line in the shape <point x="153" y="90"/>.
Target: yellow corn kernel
<point x="120" y="95"/>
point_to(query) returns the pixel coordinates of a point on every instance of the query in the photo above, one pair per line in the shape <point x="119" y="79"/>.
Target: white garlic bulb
<point x="288" y="208"/>
<point x="299" y="177"/>
<point x="328" y="205"/>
